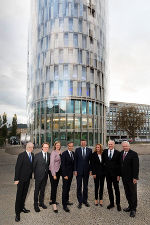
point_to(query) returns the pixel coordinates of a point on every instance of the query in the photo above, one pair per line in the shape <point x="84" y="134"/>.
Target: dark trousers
<point x="113" y="180"/>
<point x="65" y="191"/>
<point x="39" y="191"/>
<point x="54" y="185"/>
<point x="131" y="193"/>
<point x="82" y="196"/>
<point x="99" y="187"/>
<point x="22" y="190"/>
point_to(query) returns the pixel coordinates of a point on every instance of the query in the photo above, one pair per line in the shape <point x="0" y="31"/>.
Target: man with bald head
<point x="129" y="162"/>
<point x="23" y="174"/>
<point x="111" y="160"/>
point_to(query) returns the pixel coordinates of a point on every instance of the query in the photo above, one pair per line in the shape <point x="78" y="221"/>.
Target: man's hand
<point x="66" y="177"/>
<point x="94" y="176"/>
<point x="134" y="181"/>
<point x="55" y="178"/>
<point x="16" y="182"/>
<point x="75" y="173"/>
<point x="118" y="178"/>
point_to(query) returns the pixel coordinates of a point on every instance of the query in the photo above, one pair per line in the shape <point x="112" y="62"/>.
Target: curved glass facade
<point x="66" y="71"/>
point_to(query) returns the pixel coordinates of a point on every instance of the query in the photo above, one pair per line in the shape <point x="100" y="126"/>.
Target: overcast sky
<point x="129" y="53"/>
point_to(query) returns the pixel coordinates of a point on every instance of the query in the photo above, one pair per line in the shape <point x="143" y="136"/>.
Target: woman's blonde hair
<point x="57" y="142"/>
<point x="101" y="148"/>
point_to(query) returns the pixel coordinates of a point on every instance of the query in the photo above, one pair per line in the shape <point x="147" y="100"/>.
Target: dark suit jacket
<point x="40" y="167"/>
<point x="130" y="165"/>
<point x="83" y="166"/>
<point x="24" y="168"/>
<point x="67" y="164"/>
<point x="97" y="166"/>
<point x="112" y="167"/>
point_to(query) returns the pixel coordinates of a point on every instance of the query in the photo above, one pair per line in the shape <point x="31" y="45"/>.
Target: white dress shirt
<point x="112" y="152"/>
<point x="44" y="153"/>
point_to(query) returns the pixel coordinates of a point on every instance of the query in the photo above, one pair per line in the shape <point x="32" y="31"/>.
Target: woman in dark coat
<point x="98" y="173"/>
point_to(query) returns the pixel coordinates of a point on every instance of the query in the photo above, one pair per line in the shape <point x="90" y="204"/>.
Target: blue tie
<point x="30" y="157"/>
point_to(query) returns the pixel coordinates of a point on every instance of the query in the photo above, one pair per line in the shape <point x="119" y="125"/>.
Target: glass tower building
<point x="66" y="85"/>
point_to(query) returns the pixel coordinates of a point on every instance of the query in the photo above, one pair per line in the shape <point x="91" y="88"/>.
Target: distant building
<point x="66" y="84"/>
<point x="112" y="133"/>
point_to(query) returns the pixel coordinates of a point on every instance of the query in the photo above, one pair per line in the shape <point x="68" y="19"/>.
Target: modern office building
<point x="66" y="85"/>
<point x="142" y="135"/>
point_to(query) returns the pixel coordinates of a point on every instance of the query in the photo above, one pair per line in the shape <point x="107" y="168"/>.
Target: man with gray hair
<point x="129" y="162"/>
<point x="111" y="161"/>
<point x="23" y="174"/>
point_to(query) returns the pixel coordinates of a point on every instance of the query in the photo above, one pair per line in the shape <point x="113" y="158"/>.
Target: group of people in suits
<point x="82" y="163"/>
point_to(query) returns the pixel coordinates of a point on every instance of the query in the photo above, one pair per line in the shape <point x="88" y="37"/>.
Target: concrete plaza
<point x="92" y="215"/>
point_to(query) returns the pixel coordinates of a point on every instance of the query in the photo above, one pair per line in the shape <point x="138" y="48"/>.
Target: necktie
<point x="30" y="157"/>
<point x="71" y="155"/>
<point x="83" y="153"/>
<point x="45" y="157"/>
<point x="124" y="155"/>
<point x="110" y="155"/>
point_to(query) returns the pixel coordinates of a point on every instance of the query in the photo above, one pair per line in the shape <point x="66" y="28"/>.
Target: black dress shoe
<point x="55" y="210"/>
<point x="132" y="213"/>
<point x="96" y="204"/>
<point x="86" y="204"/>
<point x="79" y="205"/>
<point x="118" y="207"/>
<point x="43" y="206"/>
<point x="110" y="206"/>
<point x="127" y="209"/>
<point x="37" y="209"/>
<point x="17" y="218"/>
<point x="25" y="210"/>
<point x="101" y="205"/>
<point x="69" y="203"/>
<point x="66" y="209"/>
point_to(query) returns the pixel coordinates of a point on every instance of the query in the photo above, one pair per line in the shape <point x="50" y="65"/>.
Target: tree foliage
<point x="130" y="119"/>
<point x="14" y="126"/>
<point x="4" y="126"/>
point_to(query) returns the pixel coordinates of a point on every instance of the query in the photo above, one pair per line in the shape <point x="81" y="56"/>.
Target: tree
<point x="14" y="126"/>
<point x="130" y="119"/>
<point x="4" y="126"/>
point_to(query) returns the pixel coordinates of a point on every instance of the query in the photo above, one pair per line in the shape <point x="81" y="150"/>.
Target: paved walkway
<point x="88" y="216"/>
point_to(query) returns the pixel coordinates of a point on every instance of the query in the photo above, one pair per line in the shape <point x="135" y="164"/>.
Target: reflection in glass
<point x="96" y="138"/>
<point x="70" y="24"/>
<point x="90" y="139"/>
<point x="60" y="88"/>
<point x="83" y="73"/>
<point x="62" y="123"/>
<point x="75" y="40"/>
<point x="56" y="106"/>
<point x="70" y="121"/>
<point x="90" y="108"/>
<point x="70" y="87"/>
<point x="66" y="39"/>
<point x="79" y="89"/>
<point x="70" y="106"/>
<point x="62" y="106"/>
<point x="66" y="74"/>
<point x="77" y="138"/>
<point x="48" y="123"/>
<point x="77" y="106"/>
<point x="70" y="136"/>
<point x="49" y="106"/>
<point x="55" y="137"/>
<point x="42" y="122"/>
<point x="48" y="137"/>
<point x="88" y="89"/>
<point x="85" y="136"/>
<point x="80" y="25"/>
<point x="63" y="138"/>
<point x="56" y="75"/>
<point x="83" y="107"/>
<point x="80" y="56"/>
<point x="84" y="123"/>
<point x="51" y="88"/>
<point x="42" y="138"/>
<point x="75" y="71"/>
<point x="55" y="123"/>
<point x="77" y="122"/>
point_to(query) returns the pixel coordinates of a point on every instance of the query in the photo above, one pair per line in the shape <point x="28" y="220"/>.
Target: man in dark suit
<point x="41" y="169"/>
<point x="67" y="165"/>
<point x="82" y="171"/>
<point x="129" y="172"/>
<point x="111" y="160"/>
<point x="23" y="174"/>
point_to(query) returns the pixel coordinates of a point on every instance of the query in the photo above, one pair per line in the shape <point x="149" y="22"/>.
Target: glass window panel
<point x="66" y="39"/>
<point x="90" y="123"/>
<point x="42" y="107"/>
<point x="88" y="89"/>
<point x="77" y="138"/>
<point x="62" y="123"/>
<point x="48" y="138"/>
<point x="70" y="106"/>
<point x="49" y="106"/>
<point x="87" y="58"/>
<point x="56" y="75"/>
<point x="66" y="73"/>
<point x="70" y="24"/>
<point x="77" y="106"/>
<point x="84" y="73"/>
<point x="61" y="24"/>
<point x="51" y="88"/>
<point x="80" y="25"/>
<point x="47" y="73"/>
<point x="77" y="123"/>
<point x="56" y="123"/>
<point x="96" y="138"/>
<point x="63" y="138"/>
<point x="42" y="138"/>
<point x="62" y="106"/>
<point x="60" y="10"/>
<point x="84" y="108"/>
<point x="70" y="122"/>
<point x="60" y="55"/>
<point x="70" y="87"/>
<point x="90" y="139"/>
<point x="84" y="123"/>
<point x="75" y="71"/>
<point x="80" y="56"/>
<point x="55" y="137"/>
<point x="42" y="122"/>
<point x="79" y="89"/>
<point x="48" y="123"/>
<point x="84" y="42"/>
<point x="60" y="88"/>
<point x="90" y="108"/>
<point x="70" y="136"/>
<point x="92" y="75"/>
<point x="56" y="106"/>
<point x="75" y="40"/>
<point x="75" y="11"/>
